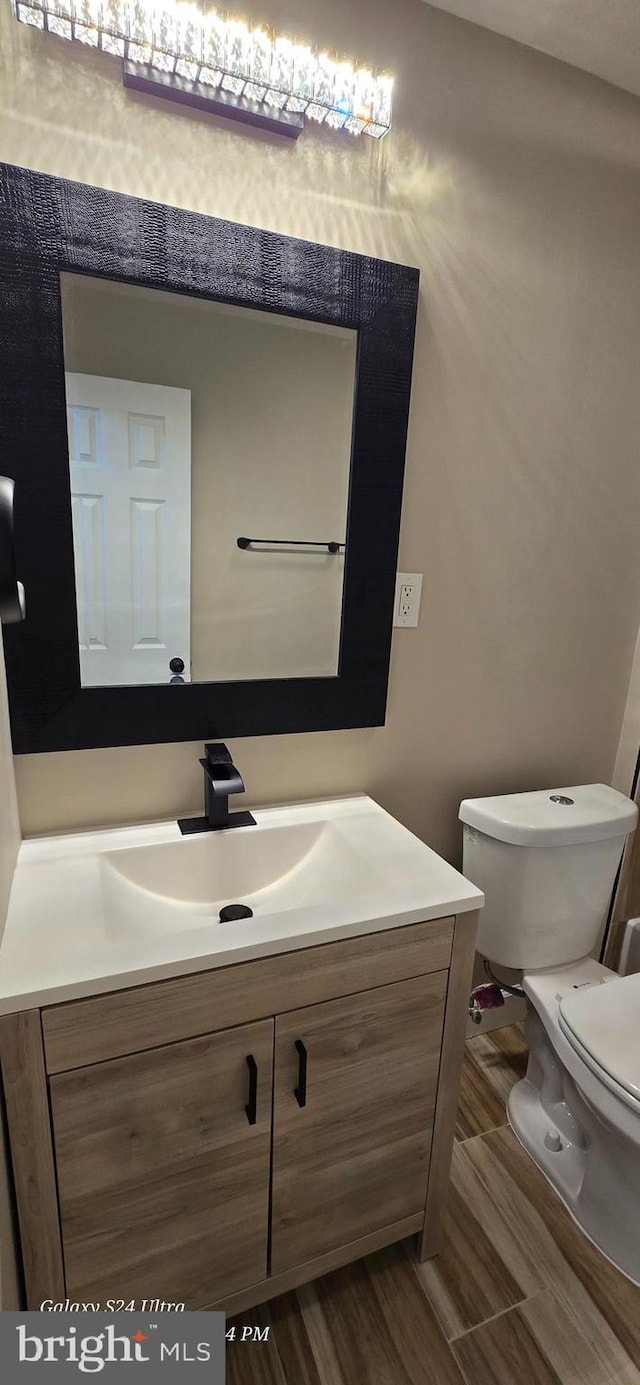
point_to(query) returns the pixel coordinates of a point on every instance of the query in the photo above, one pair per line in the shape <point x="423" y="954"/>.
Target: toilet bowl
<point x="546" y="862"/>
<point x="576" y="1112"/>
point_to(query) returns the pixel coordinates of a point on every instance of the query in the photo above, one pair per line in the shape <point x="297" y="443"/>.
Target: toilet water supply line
<point x="490" y="995"/>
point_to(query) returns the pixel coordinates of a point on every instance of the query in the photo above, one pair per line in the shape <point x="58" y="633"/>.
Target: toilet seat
<point x="602" y="1024"/>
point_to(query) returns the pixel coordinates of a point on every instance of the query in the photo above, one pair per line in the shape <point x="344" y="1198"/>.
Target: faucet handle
<point x="217" y="754"/>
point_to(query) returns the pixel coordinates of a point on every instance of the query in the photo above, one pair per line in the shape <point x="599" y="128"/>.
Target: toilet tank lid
<point x="552" y="817"/>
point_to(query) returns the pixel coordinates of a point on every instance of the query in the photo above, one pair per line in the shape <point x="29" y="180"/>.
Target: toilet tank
<point x="546" y="862"/>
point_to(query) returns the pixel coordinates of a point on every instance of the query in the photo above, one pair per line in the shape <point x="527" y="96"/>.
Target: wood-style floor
<point x="517" y="1297"/>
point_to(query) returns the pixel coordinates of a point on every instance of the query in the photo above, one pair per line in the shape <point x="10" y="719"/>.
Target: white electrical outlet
<point x="406" y="608"/>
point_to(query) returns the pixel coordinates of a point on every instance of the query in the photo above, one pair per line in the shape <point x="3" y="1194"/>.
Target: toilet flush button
<point x="553" y="1139"/>
<point x="560" y="798"/>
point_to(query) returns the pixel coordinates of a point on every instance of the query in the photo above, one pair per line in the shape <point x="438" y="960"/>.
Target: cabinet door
<point x="163" y="1169"/>
<point x="351" y="1144"/>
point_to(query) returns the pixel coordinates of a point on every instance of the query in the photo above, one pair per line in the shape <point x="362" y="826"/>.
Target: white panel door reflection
<point x="130" y="467"/>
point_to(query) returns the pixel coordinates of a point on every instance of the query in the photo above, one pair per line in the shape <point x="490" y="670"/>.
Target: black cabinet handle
<point x="252" y="1107"/>
<point x="300" y="1092"/>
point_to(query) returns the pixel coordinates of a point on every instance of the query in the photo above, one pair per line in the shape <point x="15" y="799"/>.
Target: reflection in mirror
<point x="192" y="424"/>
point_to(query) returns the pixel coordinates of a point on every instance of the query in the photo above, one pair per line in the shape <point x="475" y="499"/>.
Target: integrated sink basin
<point x="97" y="911"/>
<point x="187" y="883"/>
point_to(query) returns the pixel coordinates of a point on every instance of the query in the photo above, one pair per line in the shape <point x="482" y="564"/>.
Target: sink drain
<point x="231" y="912"/>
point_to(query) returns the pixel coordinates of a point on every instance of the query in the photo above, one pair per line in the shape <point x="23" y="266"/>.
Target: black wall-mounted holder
<point x="12" y="603"/>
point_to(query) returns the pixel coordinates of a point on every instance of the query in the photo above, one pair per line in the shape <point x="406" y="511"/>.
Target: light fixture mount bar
<point x="150" y="80"/>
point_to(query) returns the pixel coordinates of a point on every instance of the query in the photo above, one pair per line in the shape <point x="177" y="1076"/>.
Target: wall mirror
<point x="206" y="425"/>
<point x="209" y="458"/>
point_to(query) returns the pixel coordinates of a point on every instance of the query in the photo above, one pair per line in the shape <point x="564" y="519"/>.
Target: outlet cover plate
<point x="406" y="606"/>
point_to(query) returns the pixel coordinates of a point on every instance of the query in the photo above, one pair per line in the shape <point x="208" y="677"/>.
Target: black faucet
<point x="221" y="778"/>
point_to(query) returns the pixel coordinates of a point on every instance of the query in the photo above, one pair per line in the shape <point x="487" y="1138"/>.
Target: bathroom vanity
<point x="212" y="1113"/>
<point x="230" y="1059"/>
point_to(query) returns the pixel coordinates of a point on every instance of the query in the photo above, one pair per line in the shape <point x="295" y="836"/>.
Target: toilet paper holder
<point x="12" y="599"/>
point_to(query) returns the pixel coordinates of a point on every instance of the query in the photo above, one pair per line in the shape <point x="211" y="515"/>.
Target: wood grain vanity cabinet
<point x="355" y="1156"/>
<point x="163" y="1169"/>
<point x="217" y="1138"/>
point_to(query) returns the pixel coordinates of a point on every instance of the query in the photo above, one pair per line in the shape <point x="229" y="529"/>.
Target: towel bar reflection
<point x="331" y="545"/>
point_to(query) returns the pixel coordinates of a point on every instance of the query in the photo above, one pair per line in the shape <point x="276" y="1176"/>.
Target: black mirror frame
<point x="49" y="225"/>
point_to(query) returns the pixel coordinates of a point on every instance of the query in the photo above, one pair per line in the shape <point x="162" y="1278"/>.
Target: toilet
<point x="546" y="862"/>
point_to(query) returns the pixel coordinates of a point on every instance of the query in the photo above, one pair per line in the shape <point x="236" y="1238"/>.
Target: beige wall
<point x="271" y="403"/>
<point x="9" y="844"/>
<point x="512" y="182"/>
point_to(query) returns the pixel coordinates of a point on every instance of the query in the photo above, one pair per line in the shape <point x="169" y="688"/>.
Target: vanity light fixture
<point x="200" y="58"/>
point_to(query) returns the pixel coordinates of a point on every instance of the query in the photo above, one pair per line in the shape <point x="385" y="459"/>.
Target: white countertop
<point x="64" y="940"/>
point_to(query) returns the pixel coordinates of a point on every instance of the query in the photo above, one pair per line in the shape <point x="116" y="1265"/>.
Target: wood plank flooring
<point x="517" y="1297"/>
